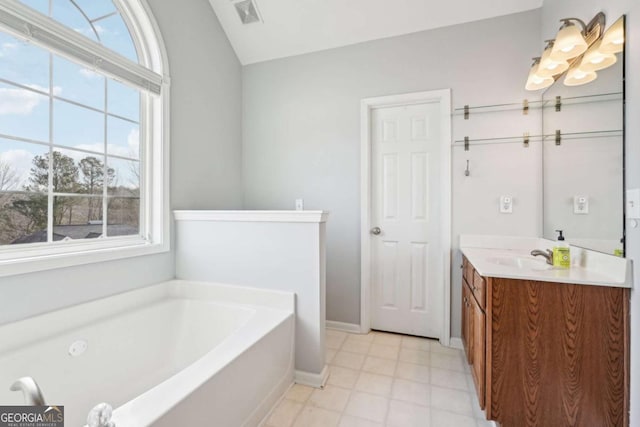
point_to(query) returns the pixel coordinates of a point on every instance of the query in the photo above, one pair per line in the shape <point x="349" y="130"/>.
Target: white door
<point x="406" y="236"/>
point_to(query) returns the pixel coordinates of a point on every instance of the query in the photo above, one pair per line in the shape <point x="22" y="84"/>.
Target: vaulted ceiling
<point x="294" y="27"/>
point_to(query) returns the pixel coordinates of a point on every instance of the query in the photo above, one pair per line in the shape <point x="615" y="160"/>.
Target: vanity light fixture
<point x="577" y="76"/>
<point x="535" y="81"/>
<point x="580" y="48"/>
<point x="570" y="41"/>
<point x="595" y="59"/>
<point x="549" y="67"/>
<point x="613" y="39"/>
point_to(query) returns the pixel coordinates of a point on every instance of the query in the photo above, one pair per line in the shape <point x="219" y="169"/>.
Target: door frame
<point x="443" y="97"/>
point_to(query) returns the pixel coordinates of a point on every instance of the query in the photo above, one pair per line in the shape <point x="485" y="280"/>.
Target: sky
<point x="26" y="113"/>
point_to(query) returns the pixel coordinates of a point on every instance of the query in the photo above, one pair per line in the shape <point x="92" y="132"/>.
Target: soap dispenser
<point x="561" y="255"/>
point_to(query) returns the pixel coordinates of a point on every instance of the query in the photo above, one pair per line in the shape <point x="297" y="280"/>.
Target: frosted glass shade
<point x="613" y="39"/>
<point x="569" y="43"/>
<point x="537" y="82"/>
<point x="577" y="77"/>
<point x="549" y="67"/>
<point x="594" y="59"/>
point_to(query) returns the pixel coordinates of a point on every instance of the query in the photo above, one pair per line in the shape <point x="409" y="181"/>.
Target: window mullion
<point x="50" y="199"/>
<point x="105" y="165"/>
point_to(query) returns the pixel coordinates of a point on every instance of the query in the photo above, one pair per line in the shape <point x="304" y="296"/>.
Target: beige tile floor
<point x="383" y="379"/>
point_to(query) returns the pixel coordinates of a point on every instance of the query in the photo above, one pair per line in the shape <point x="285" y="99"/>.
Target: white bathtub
<point x="173" y="354"/>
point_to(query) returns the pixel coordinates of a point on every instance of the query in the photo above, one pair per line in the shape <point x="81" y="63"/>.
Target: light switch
<point x="580" y="205"/>
<point x="299" y="204"/>
<point x="633" y="203"/>
<point x="506" y="204"/>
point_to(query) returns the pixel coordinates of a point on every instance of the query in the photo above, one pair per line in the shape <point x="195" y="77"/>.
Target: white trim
<point x="70" y="259"/>
<point x="252" y="216"/>
<point x="342" y="326"/>
<point x="455" y="342"/>
<point x="442" y="96"/>
<point x="311" y="379"/>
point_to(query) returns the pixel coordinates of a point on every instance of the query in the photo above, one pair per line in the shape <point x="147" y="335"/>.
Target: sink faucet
<point x="32" y="393"/>
<point x="548" y="255"/>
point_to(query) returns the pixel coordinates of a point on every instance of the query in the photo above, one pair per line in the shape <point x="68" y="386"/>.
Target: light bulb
<point x="594" y="59"/>
<point x="537" y="82"/>
<point x="550" y="67"/>
<point x="613" y="39"/>
<point x="578" y="76"/>
<point x="569" y="43"/>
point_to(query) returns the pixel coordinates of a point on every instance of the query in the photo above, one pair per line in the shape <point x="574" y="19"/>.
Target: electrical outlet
<point x="299" y="204"/>
<point x="580" y="205"/>
<point x="506" y="204"/>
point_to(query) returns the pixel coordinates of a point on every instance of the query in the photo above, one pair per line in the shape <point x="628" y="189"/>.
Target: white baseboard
<point x="342" y="326"/>
<point x="456" y="342"/>
<point x="311" y="379"/>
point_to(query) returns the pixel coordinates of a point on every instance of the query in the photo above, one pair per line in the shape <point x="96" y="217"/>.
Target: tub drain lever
<point x="100" y="416"/>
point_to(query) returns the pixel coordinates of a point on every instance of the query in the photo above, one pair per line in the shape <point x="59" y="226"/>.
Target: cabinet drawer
<point x="478" y="286"/>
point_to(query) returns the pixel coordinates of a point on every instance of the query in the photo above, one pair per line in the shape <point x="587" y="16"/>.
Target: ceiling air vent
<point x="247" y="11"/>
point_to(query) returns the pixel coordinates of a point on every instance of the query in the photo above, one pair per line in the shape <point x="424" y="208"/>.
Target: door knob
<point x="376" y="230"/>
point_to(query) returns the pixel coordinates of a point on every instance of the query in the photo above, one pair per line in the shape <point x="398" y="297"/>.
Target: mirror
<point x="583" y="161"/>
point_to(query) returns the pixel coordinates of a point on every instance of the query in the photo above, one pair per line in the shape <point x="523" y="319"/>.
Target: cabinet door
<point x="478" y="348"/>
<point x="467" y="318"/>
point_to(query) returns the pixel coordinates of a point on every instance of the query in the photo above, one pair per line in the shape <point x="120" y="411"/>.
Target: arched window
<point x="83" y="92"/>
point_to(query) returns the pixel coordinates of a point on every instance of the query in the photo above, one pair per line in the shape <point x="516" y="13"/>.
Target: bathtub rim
<point x="25" y="331"/>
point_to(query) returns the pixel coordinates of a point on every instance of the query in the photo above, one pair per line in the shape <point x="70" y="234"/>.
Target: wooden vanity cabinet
<point x="474" y="326"/>
<point x="547" y="354"/>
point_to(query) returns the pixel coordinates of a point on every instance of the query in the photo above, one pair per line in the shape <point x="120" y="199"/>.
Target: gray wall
<point x="301" y="125"/>
<point x="205" y="161"/>
<point x="206" y="106"/>
<point x="585" y="9"/>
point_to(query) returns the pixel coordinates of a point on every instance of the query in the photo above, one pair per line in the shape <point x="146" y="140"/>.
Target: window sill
<point x="24" y="263"/>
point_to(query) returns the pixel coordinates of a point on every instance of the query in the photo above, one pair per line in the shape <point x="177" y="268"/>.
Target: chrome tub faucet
<point x="32" y="393"/>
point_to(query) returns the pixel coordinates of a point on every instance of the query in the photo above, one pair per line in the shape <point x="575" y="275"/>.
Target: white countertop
<point x="510" y="258"/>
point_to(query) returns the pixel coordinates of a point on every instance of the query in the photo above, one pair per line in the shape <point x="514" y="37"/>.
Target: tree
<point x="93" y="181"/>
<point x="64" y="180"/>
<point x="8" y="181"/>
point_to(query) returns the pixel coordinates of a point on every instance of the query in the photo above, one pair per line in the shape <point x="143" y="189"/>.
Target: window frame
<point x="152" y="77"/>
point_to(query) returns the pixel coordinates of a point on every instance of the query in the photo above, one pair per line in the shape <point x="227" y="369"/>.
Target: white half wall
<point x="269" y="250"/>
<point x="301" y="135"/>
